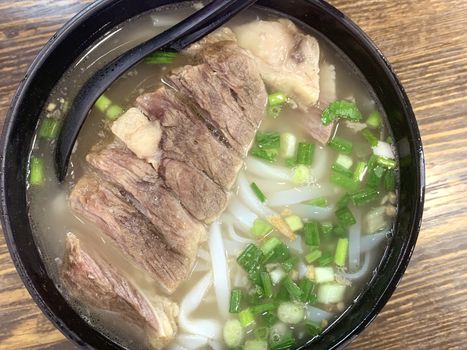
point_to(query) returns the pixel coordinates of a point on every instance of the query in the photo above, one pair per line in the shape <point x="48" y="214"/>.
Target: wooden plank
<point x="426" y="42"/>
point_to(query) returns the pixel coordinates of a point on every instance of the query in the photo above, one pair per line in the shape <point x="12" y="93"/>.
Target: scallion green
<point x="318" y="202"/>
<point x="289" y="264"/>
<point x="311" y="233"/>
<point x="341" y="145"/>
<point x="305" y="153"/>
<point x="390" y="181"/>
<point x="312" y="256"/>
<point x="260" y="228"/>
<point x="49" y="128"/>
<point x="258" y="192"/>
<point x="36" y="171"/>
<point x="341" y="109"/>
<point x="236" y="296"/>
<point x="294" y="291"/>
<point x="266" y="154"/>
<point x="368" y="135"/>
<point x="326" y="259"/>
<point x="359" y="172"/>
<point x="246" y="317"/>
<point x="267" y="284"/>
<point x="268" y="140"/>
<point x="341" y="251"/>
<point x="365" y="196"/>
<point x="345" y="217"/>
<point x="374" y="120"/>
<point x="160" y="57"/>
<point x="344" y="181"/>
<point x="387" y="163"/>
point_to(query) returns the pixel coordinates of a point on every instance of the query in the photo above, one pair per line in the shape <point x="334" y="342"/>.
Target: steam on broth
<point x="281" y="253"/>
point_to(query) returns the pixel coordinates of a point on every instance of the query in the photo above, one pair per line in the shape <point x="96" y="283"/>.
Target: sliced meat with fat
<point x="150" y="195"/>
<point x="95" y="282"/>
<point x="201" y="196"/>
<point x="112" y="210"/>
<point x="187" y="138"/>
<point x="287" y="59"/>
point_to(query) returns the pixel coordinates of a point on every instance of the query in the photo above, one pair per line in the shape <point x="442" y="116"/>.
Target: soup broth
<point x="340" y="233"/>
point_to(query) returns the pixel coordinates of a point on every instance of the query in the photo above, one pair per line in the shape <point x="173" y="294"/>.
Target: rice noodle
<point x="271" y="186"/>
<point x="250" y="199"/>
<point x="267" y="171"/>
<point x="363" y="272"/>
<point x="232" y="247"/>
<point x="369" y="242"/>
<point x="320" y="162"/>
<point x="311" y="212"/>
<point x="355" y="232"/>
<point x="299" y="194"/>
<point x="242" y="213"/>
<point x="208" y="328"/>
<point x="228" y="221"/>
<point x="316" y="315"/>
<point x="190" y="341"/>
<point x="220" y="268"/>
<point x="296" y="245"/>
<point x="202" y="266"/>
<point x="215" y="345"/>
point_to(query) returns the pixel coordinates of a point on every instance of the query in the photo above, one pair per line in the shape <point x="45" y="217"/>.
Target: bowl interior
<point x="92" y="23"/>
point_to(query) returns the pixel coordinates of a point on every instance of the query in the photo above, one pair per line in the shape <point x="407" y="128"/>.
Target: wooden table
<point x="426" y="41"/>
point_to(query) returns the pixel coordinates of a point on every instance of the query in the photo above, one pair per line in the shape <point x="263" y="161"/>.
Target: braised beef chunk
<point x="201" y="196"/>
<point x="112" y="210"/>
<point x="95" y="282"/>
<point x="186" y="137"/>
<point x="149" y="194"/>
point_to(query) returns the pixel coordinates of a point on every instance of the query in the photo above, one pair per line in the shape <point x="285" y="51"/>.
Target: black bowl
<point x="92" y="23"/>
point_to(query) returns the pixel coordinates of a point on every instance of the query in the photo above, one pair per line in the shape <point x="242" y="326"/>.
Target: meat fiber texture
<point x="167" y="174"/>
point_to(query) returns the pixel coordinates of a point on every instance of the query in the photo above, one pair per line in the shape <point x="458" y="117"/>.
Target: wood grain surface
<point x="426" y="42"/>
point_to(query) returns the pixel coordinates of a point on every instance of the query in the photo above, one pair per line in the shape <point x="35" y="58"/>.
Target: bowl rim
<point x="83" y="15"/>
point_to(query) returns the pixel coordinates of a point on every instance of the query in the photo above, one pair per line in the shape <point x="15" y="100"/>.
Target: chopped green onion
<point x="290" y="263"/>
<point x="160" y="57"/>
<point x="294" y="291"/>
<point x="343" y="201"/>
<point x="307" y="288"/>
<point x="291" y="313"/>
<point x="49" y="128"/>
<point x="290" y="162"/>
<point x="266" y="154"/>
<point x="337" y="168"/>
<point x="279" y="254"/>
<point x="390" y="181"/>
<point x="288" y="145"/>
<point x="359" y="172"/>
<point x="113" y="112"/>
<point x="311" y="233"/>
<point x="326" y="228"/>
<point x="368" y="135"/>
<point x="269" y="245"/>
<point x="276" y="102"/>
<point x="269" y="317"/>
<point x="305" y="153"/>
<point x="267" y="284"/>
<point x="250" y="261"/>
<point x="282" y="294"/>
<point x="318" y="202"/>
<point x="236" y="296"/>
<point x="374" y="177"/>
<point x="341" y="251"/>
<point x="277" y="98"/>
<point x="345" y="217"/>
<point x="339" y="230"/>
<point x="344" y="181"/>
<point x="258" y="192"/>
<point x="261" y="228"/>
<point x="261" y="333"/>
<point x="257" y="344"/>
<point x="246" y="317"/>
<point x="268" y="140"/>
<point x="301" y="175"/>
<point x="390" y="140"/>
<point x="233" y="333"/>
<point x="344" y="161"/>
<point x="374" y="120"/>
<point x="387" y="163"/>
<point x="262" y="308"/>
<point x="294" y="222"/>
<point x="364" y="196"/>
<point x="341" y="109"/>
<point x="36" y="171"/>
<point x="314" y="255"/>
<point x="256" y="294"/>
<point x="103" y="103"/>
<point x="331" y="293"/>
<point x="326" y="259"/>
<point x="341" y="145"/>
<point x="286" y="343"/>
<point x="324" y="274"/>
<point x="312" y="329"/>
